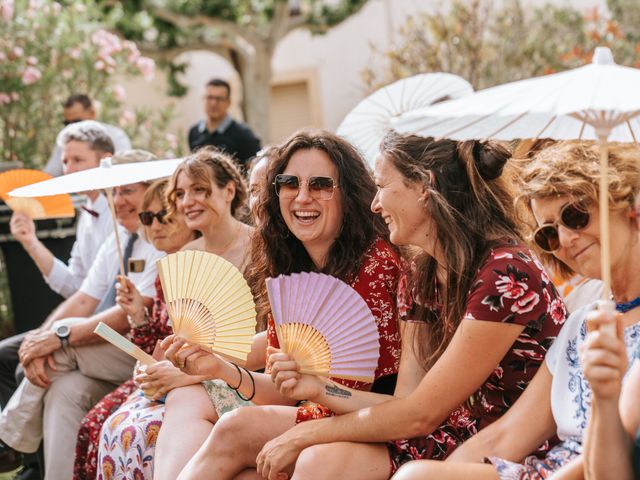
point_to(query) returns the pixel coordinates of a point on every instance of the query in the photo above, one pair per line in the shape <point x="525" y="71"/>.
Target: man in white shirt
<point x="77" y="108"/>
<point x="68" y="367"/>
<point x="85" y="143"/>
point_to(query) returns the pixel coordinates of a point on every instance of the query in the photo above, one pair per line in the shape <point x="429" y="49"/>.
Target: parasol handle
<point x="112" y="208"/>
<point x="605" y="237"/>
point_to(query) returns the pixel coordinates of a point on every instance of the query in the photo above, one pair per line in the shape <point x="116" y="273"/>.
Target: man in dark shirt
<point x="219" y="129"/>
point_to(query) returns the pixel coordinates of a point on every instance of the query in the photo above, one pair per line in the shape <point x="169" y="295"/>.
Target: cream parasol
<point x="371" y="119"/>
<point x="105" y="177"/>
<point x="599" y="101"/>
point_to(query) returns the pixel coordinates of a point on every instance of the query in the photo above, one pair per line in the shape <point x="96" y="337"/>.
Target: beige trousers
<point x="83" y="376"/>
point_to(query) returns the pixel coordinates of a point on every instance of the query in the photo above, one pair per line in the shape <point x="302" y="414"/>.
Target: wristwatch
<point x="63" y="332"/>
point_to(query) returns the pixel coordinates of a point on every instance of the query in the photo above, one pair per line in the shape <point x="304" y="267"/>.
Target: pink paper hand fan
<point x="325" y="325"/>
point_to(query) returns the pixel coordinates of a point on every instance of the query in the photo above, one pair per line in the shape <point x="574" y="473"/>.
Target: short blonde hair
<point x="572" y="169"/>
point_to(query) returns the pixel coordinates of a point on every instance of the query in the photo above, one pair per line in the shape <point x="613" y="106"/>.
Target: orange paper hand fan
<point x="209" y="302"/>
<point x="325" y="325"/>
<point x="37" y="208"/>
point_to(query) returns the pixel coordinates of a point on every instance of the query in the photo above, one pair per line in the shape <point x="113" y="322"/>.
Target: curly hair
<point x="471" y="204"/>
<point x="205" y="167"/>
<point x="572" y="169"/>
<point x="276" y="251"/>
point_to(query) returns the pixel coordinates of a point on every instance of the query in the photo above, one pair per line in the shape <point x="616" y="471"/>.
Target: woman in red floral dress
<point x="315" y="216"/>
<point x="480" y="310"/>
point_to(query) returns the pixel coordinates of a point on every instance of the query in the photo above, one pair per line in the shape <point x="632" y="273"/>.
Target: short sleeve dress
<point x="511" y="286"/>
<point x="570" y="400"/>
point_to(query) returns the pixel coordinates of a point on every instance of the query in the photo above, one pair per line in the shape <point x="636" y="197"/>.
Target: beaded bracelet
<point x="253" y="386"/>
<point x="239" y="373"/>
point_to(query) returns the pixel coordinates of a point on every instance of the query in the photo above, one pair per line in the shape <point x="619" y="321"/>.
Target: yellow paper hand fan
<point x="209" y="302"/>
<point x="37" y="208"/>
<point x="325" y="325"/>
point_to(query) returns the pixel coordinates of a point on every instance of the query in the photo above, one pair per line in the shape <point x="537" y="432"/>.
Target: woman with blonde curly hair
<point x="559" y="192"/>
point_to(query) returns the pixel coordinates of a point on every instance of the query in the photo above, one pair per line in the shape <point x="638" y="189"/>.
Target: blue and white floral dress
<point x="570" y="400"/>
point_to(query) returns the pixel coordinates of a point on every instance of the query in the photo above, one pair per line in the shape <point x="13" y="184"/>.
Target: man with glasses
<point x="76" y="108"/>
<point x="68" y="367"/>
<point x="220" y="129"/>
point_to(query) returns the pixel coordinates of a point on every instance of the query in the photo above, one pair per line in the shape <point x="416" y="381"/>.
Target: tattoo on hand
<point x="335" y="391"/>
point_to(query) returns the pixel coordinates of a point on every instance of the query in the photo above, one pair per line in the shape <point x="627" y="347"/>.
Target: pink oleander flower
<point x="17" y="52"/>
<point x="147" y="67"/>
<point x="14" y="96"/>
<point x="99" y="65"/>
<point x="119" y="93"/>
<point x="4" y="98"/>
<point x="31" y="60"/>
<point x="127" y="117"/>
<point x="7" y="8"/>
<point x="31" y="75"/>
<point x="75" y="53"/>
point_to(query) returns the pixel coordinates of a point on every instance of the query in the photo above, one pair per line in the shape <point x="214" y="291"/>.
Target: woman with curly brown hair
<point x="480" y="317"/>
<point x="559" y="190"/>
<point x="314" y="216"/>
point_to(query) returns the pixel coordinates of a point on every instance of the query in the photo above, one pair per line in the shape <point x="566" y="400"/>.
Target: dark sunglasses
<point x="320" y="188"/>
<point x="146" y="217"/>
<point x="573" y="216"/>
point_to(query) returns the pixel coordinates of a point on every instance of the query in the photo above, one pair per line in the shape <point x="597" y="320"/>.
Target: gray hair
<point x="133" y="156"/>
<point x="90" y="132"/>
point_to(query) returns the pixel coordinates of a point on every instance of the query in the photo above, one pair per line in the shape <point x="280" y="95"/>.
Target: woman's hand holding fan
<point x="191" y="359"/>
<point x="325" y="325"/>
<point x="159" y="379"/>
<point x="286" y="375"/>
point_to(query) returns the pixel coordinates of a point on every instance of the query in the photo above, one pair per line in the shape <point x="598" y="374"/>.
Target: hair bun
<point x="490" y="158"/>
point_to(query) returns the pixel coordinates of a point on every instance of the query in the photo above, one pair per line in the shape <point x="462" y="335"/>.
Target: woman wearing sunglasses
<point x="481" y="315"/>
<point x="314" y="216"/>
<point x="559" y="189"/>
<point x="147" y="328"/>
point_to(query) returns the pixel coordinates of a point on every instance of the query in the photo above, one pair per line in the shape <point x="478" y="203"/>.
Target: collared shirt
<point x="232" y="137"/>
<point x="91" y="232"/>
<point x="106" y="267"/>
<point x="118" y="137"/>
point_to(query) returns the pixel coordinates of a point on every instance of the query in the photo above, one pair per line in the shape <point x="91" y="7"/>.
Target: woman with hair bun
<point x="559" y="190"/>
<point x="479" y="316"/>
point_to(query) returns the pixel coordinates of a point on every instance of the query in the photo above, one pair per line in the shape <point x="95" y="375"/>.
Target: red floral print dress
<point x="377" y="283"/>
<point x="510" y="287"/>
<point x="146" y="337"/>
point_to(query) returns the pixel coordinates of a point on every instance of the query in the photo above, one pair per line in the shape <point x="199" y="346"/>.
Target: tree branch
<point x="228" y="28"/>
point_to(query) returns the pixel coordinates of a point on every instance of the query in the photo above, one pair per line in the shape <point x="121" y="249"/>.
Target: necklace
<point x="231" y="240"/>
<point x="626" y="306"/>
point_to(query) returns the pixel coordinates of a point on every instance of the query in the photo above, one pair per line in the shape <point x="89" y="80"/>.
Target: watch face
<point x="63" y="331"/>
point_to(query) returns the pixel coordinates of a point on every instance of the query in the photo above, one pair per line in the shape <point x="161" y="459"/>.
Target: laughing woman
<point x="314" y="216"/>
<point x="483" y="316"/>
<point x="560" y="190"/>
